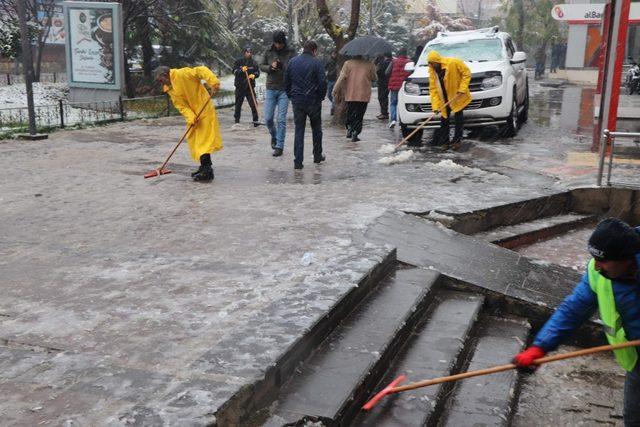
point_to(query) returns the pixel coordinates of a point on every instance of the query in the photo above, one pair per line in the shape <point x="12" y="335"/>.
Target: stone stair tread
<point x="489" y="400"/>
<point x="432" y="352"/>
<point x="325" y="383"/>
<point x="499" y="234"/>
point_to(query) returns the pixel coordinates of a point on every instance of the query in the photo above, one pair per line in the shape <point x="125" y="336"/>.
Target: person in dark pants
<point x="354" y="87"/>
<point x="416" y="54"/>
<point x="449" y="91"/>
<point x="611" y="286"/>
<point x="382" y="63"/>
<point x="306" y="87"/>
<point x="332" y="75"/>
<point x="248" y="65"/>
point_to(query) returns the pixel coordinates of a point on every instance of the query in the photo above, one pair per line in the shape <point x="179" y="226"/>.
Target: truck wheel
<point x="511" y="128"/>
<point x="415" y="140"/>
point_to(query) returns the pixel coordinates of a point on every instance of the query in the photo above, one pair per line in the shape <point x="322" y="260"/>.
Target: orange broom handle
<point x="501" y="368"/>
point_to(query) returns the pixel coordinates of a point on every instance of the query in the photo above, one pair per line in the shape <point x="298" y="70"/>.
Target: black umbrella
<point x="370" y="46"/>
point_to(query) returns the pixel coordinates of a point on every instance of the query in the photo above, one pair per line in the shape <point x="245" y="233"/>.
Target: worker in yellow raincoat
<point x="189" y="96"/>
<point x="448" y="83"/>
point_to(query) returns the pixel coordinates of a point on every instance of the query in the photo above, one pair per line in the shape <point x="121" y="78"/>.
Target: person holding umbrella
<point x="354" y="82"/>
<point x="354" y="87"/>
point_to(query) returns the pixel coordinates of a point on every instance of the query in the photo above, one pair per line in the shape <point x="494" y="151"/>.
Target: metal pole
<point x="613" y="143"/>
<point x="27" y="63"/>
<point x="601" y="156"/>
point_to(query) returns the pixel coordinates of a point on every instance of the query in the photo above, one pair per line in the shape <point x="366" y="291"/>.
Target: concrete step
<point x="436" y="349"/>
<point x="339" y="376"/>
<point x="489" y="400"/>
<point x="526" y="233"/>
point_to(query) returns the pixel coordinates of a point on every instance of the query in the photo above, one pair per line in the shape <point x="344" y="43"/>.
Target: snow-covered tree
<point x="9" y="40"/>
<point x="433" y="21"/>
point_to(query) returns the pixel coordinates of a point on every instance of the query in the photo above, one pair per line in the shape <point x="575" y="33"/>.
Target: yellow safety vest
<point x="626" y="357"/>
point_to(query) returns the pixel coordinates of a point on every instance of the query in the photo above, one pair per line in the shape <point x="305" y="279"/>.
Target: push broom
<point x="161" y="170"/>
<point x="422" y="125"/>
<point x="393" y="388"/>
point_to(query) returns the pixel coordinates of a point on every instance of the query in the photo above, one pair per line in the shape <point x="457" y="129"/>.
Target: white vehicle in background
<point x="499" y="86"/>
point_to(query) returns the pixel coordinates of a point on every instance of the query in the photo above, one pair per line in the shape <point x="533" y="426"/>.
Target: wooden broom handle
<point x="253" y="96"/>
<point x="423" y="124"/>
<point x="186" y="132"/>
<point x="501" y="368"/>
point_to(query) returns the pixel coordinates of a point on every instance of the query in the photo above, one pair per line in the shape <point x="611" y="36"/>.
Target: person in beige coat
<point x="354" y="87"/>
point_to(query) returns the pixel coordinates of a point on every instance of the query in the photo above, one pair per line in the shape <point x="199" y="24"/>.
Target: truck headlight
<point x="412" y="88"/>
<point x="491" y="82"/>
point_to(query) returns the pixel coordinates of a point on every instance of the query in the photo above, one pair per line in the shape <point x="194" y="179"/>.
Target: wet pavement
<point x="126" y="298"/>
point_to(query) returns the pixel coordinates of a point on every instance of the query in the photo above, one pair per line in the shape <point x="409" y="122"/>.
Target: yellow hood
<point x="434" y="57"/>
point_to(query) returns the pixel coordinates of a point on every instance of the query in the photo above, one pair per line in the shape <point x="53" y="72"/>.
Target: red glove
<point x="525" y="359"/>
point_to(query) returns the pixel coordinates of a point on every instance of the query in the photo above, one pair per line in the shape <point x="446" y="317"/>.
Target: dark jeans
<point x="383" y="98"/>
<point x="444" y="127"/>
<point x="241" y="94"/>
<point x="632" y="398"/>
<point x="355" y="114"/>
<point x="300" y="114"/>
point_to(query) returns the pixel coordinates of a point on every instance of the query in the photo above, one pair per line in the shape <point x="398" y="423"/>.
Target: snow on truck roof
<point x="457" y="36"/>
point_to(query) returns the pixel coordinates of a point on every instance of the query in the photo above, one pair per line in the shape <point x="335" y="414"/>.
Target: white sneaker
<point x="392" y="124"/>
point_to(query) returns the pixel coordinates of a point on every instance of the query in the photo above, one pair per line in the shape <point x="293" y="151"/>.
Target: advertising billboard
<point x="94" y="44"/>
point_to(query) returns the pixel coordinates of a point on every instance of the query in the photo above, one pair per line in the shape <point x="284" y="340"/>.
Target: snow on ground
<point x="15" y="96"/>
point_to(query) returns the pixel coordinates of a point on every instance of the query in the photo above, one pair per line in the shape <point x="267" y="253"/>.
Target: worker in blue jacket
<point x="612" y="285"/>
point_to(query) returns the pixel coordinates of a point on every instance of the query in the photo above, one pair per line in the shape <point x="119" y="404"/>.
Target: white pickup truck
<point x="499" y="86"/>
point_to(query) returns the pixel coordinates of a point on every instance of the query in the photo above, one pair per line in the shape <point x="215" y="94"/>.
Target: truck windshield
<point x="469" y="50"/>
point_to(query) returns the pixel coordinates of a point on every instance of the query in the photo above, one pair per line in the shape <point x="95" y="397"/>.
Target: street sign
<point x="584" y="13"/>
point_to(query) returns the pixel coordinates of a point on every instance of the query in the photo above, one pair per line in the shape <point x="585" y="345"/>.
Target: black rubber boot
<point x="196" y="172"/>
<point x="205" y="173"/>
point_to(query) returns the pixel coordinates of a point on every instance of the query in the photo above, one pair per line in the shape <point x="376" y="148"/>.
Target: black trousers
<point x="300" y="113"/>
<point x="355" y="114"/>
<point x="383" y="98"/>
<point x="443" y="132"/>
<point x="241" y="94"/>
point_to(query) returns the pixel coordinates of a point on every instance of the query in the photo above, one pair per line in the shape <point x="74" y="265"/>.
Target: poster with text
<point x="91" y="45"/>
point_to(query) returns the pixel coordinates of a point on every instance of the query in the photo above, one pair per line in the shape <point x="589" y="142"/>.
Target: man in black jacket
<point x="275" y="63"/>
<point x="306" y="86"/>
<point x="242" y="68"/>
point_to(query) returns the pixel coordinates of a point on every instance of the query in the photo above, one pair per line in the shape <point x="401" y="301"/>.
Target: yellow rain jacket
<point x="456" y="80"/>
<point x="188" y="96"/>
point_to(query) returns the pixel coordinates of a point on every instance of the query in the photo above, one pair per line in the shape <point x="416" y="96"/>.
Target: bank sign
<point x="93" y="44"/>
<point x="588" y="13"/>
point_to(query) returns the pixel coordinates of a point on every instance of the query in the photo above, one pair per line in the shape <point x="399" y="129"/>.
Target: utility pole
<point x="479" y="13"/>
